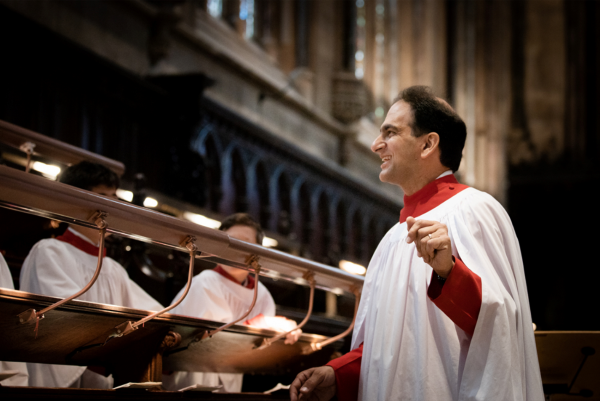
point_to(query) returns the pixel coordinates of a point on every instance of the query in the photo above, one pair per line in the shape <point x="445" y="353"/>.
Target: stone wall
<point x="249" y="80"/>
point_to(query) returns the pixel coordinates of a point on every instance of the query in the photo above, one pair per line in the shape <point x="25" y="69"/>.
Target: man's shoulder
<point x="206" y="278"/>
<point x="50" y="245"/>
<point x="58" y="250"/>
<point x="63" y="248"/>
<point x="475" y="198"/>
<point x="392" y="235"/>
<point x="476" y="205"/>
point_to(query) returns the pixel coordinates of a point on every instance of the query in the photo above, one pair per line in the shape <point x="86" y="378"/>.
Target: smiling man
<point x="444" y="313"/>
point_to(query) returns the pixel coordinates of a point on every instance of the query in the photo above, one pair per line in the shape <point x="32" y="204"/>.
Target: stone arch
<point x="206" y="131"/>
<point x="321" y="227"/>
<point x="301" y="214"/>
<point x="262" y="196"/>
<point x="281" y="201"/>
<point x="235" y="193"/>
<point x="341" y="227"/>
<point x="239" y="180"/>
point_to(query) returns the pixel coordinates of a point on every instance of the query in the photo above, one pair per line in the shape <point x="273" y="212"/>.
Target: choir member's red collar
<point x="430" y="196"/>
<point x="71" y="238"/>
<point x="248" y="283"/>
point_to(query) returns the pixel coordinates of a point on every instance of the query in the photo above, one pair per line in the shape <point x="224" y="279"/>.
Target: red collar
<point x="250" y="282"/>
<point x="80" y="243"/>
<point x="430" y="196"/>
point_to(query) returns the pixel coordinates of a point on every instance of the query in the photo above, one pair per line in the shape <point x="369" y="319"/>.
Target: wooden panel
<point x="230" y="352"/>
<point x="15" y="136"/>
<point x="24" y="393"/>
<point x="77" y="334"/>
<point x="560" y="355"/>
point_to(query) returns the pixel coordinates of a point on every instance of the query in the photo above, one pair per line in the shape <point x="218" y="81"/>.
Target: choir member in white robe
<point x="21" y="377"/>
<point x="444" y="313"/>
<point x="224" y="294"/>
<point x="61" y="267"/>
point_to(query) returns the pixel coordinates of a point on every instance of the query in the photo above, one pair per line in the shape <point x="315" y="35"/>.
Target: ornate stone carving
<point x="159" y="40"/>
<point x="350" y="97"/>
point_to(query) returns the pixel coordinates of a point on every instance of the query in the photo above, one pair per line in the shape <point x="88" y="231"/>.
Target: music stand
<point x="570" y="364"/>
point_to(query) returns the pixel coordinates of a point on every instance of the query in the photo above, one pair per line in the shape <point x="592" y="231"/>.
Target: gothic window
<point x="239" y="14"/>
<point x="247" y="16"/>
<point x="361" y="39"/>
<point x="370" y="55"/>
<point x="215" y="8"/>
<point x="379" y="73"/>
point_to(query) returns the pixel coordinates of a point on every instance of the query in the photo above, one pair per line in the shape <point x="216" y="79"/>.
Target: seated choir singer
<point x="224" y="294"/>
<point x="21" y="377"/>
<point x="62" y="266"/>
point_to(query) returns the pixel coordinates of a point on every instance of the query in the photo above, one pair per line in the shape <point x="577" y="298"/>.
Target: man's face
<point x="111" y="192"/>
<point x="243" y="233"/>
<point x="398" y="149"/>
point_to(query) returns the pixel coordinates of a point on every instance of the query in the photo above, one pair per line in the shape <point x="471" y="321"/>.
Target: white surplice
<point x="413" y="351"/>
<point x="21" y="378"/>
<point x="214" y="297"/>
<point x="56" y="268"/>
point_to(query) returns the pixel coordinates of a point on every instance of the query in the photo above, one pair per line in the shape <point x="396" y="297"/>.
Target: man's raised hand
<point x="315" y="384"/>
<point x="433" y="244"/>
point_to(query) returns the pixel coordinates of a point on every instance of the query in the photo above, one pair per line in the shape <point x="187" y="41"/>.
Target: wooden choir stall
<point x="136" y="345"/>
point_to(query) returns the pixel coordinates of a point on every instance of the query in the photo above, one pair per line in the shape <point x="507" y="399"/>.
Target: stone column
<point x="231" y="14"/>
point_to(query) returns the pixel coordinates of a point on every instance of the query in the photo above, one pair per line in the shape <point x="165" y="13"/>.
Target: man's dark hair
<point x="243" y="219"/>
<point x="87" y="175"/>
<point x="431" y="115"/>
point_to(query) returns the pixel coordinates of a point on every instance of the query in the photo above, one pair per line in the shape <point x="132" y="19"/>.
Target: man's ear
<point x="431" y="144"/>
